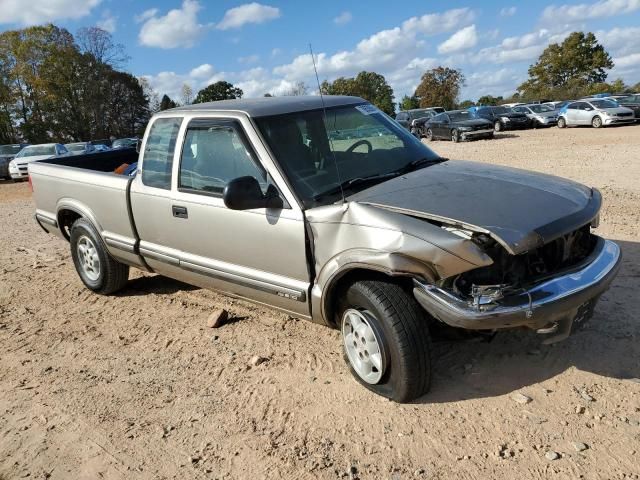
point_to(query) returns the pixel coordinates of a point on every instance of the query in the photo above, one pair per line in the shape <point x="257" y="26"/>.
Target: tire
<point x="497" y="127"/>
<point x="455" y="136"/>
<point x="398" y="326"/>
<point x="429" y="134"/>
<point x="415" y="132"/>
<point x="97" y="269"/>
<point x="596" y="122"/>
<point x="562" y="123"/>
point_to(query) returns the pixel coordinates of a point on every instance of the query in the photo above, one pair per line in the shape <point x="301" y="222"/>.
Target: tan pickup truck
<point x="328" y="209"/>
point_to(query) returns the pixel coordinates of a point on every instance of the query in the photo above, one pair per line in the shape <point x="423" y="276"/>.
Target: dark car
<point x="80" y="148"/>
<point x="631" y="101"/>
<point x="413" y="119"/>
<point x="502" y="118"/>
<point x="457" y="125"/>
<point x="124" y="143"/>
<point x="8" y="153"/>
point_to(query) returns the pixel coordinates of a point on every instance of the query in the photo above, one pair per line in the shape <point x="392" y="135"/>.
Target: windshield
<point x="460" y="116"/>
<point x="76" y="147"/>
<point x="122" y="142"/>
<point x="37" y="150"/>
<point x="501" y="110"/>
<point x="355" y="142"/>
<point x="540" y="108"/>
<point x="9" y="149"/>
<point x="604" y="104"/>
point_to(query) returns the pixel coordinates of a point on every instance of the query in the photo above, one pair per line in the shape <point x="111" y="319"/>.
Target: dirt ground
<point x="136" y="386"/>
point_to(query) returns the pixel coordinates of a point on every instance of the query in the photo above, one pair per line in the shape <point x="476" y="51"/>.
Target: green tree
<point x="440" y="87"/>
<point x="218" y="91"/>
<point x="166" y="103"/>
<point x="567" y="70"/>
<point x="371" y="86"/>
<point x="409" y="103"/>
<point x="466" y="104"/>
<point x="490" y="100"/>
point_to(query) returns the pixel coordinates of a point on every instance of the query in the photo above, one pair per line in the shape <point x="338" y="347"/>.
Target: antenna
<point x="326" y="122"/>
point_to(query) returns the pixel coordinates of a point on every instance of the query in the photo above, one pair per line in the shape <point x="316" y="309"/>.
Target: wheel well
<point x="350" y="277"/>
<point x="66" y="218"/>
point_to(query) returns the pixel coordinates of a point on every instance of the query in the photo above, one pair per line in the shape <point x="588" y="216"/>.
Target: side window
<point x="402" y="116"/>
<point x="438" y="118"/>
<point x="158" y="153"/>
<point x="572" y="106"/>
<point x="214" y="153"/>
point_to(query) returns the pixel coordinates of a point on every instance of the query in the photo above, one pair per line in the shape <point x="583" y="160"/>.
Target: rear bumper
<point x="553" y="302"/>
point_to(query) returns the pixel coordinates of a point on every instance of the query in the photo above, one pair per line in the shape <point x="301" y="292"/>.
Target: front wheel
<point x="562" y="123"/>
<point x="97" y="269"/>
<point x="497" y="127"/>
<point x="596" y="122"/>
<point x="429" y="134"/>
<point x="386" y="339"/>
<point x="455" y="136"/>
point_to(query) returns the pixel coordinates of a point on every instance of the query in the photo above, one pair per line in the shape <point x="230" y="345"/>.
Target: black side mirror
<point x="244" y="193"/>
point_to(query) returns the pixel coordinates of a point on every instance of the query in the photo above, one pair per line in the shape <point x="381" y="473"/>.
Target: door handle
<point x="179" y="212"/>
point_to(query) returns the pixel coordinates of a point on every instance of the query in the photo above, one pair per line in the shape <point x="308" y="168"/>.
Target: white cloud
<point x="178" y="28"/>
<point x="585" y="11"/>
<point x="620" y="41"/>
<point x="343" y="18"/>
<point x="632" y="60"/>
<point x="508" y="11"/>
<point x="463" y="39"/>
<point x="32" y="12"/>
<point x="146" y="15"/>
<point x="203" y="71"/>
<point x="524" y="48"/>
<point x="248" y="13"/>
<point x="108" y="22"/>
<point x="249" y="59"/>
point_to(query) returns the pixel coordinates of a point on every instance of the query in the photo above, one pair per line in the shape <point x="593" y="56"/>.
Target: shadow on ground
<point x="607" y="345"/>
<point x="157" y="284"/>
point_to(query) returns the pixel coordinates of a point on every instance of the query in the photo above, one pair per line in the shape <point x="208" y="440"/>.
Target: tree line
<point x="57" y="87"/>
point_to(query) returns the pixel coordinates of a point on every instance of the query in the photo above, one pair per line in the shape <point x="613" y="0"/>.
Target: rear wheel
<point x="562" y="123"/>
<point x="429" y="134"/>
<point x="455" y="136"/>
<point x="386" y="339"/>
<point x="497" y="127"/>
<point x="596" y="122"/>
<point x="97" y="269"/>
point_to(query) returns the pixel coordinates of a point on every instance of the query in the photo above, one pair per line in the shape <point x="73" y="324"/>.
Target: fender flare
<point x="80" y="209"/>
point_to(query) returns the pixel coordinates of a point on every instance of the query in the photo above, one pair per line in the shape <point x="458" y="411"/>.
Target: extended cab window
<point x="214" y="153"/>
<point x="158" y="153"/>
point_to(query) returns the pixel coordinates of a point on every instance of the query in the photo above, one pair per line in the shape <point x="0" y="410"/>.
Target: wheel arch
<point x="68" y="211"/>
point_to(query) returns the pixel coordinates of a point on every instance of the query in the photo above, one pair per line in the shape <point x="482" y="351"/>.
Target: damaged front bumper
<point x="551" y="306"/>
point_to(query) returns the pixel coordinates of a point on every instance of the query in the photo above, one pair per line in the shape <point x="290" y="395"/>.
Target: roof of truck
<point x="266" y="106"/>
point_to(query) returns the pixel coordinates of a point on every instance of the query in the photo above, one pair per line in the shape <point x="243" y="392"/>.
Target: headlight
<point x="540" y="118"/>
<point x="606" y="114"/>
<point x="13" y="167"/>
<point x="464" y="129"/>
<point x="505" y="119"/>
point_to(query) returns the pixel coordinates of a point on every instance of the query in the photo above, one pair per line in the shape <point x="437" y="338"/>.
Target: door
<point x="436" y="125"/>
<point x="259" y="254"/>
<point x="151" y="197"/>
<point x="403" y="119"/>
<point x="573" y="114"/>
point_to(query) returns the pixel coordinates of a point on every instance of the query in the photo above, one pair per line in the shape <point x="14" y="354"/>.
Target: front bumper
<point x="475" y="133"/>
<point x="553" y="304"/>
<point x="618" y="120"/>
<point x="19" y="173"/>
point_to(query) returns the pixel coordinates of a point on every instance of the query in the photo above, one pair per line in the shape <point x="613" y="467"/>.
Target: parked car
<point x="631" y="101"/>
<point x="540" y="115"/>
<point x="18" y="167"/>
<point x="124" y="143"/>
<point x="596" y="112"/>
<point x="381" y="240"/>
<point x="458" y="125"/>
<point x="80" y="148"/>
<point x="511" y="105"/>
<point x="503" y="118"/>
<point x="8" y="153"/>
<point x="409" y="119"/>
<point x="99" y="147"/>
<point x="559" y="105"/>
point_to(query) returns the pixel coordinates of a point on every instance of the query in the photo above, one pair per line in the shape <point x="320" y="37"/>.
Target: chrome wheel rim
<point x="88" y="258"/>
<point x="597" y="122"/>
<point x="362" y="345"/>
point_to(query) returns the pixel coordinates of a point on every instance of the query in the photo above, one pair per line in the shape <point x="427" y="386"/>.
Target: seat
<point x="287" y="139"/>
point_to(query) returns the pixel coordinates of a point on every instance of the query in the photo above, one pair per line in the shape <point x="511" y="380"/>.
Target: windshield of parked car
<point x="9" y="149"/>
<point x="460" y="116"/>
<point x="320" y="154"/>
<point x="421" y="113"/>
<point x="37" y="150"/>
<point x="76" y="147"/>
<point x="604" y="104"/>
<point x="122" y="142"/>
<point x="540" y="108"/>
<point x="501" y="110"/>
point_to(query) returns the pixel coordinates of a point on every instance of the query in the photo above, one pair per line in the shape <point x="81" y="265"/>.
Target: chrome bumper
<point x="556" y="302"/>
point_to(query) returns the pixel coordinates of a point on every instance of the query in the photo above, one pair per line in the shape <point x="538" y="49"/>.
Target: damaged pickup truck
<point x="376" y="236"/>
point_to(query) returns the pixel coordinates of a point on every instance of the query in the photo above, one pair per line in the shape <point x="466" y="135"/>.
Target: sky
<point x="263" y="47"/>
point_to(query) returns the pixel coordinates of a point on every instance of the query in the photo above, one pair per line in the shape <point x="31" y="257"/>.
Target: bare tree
<point x="187" y="94"/>
<point x="99" y="43"/>
<point x="300" y="88"/>
<point x="151" y="94"/>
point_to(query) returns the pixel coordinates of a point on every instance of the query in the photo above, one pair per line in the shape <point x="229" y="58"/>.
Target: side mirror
<point x="244" y="193"/>
<point x="138" y="145"/>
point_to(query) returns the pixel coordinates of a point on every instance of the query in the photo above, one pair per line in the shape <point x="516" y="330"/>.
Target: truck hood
<point x="521" y="210"/>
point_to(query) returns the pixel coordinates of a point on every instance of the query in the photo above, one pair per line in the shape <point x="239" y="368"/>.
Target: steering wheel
<point x="358" y="143"/>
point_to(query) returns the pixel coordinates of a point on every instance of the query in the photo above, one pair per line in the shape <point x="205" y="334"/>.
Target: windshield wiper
<point x="354" y="182"/>
<point x="420" y="163"/>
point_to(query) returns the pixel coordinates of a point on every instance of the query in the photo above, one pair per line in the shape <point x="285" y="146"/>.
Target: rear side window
<point x="158" y="153"/>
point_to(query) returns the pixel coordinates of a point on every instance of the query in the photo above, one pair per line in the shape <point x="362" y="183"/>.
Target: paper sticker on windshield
<point x="367" y="109"/>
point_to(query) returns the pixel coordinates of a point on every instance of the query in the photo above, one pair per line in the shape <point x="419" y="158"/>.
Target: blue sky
<point x="263" y="46"/>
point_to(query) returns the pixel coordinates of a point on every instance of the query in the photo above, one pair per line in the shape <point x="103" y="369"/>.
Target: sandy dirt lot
<point x="135" y="386"/>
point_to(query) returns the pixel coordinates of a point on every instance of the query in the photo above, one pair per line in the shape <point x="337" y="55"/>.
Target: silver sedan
<point x="540" y="115"/>
<point x="595" y="112"/>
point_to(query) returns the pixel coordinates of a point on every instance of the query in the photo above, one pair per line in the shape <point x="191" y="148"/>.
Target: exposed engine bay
<point x="515" y="272"/>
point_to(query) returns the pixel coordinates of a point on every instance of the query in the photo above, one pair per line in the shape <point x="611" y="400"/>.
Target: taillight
<point x="30" y="183"/>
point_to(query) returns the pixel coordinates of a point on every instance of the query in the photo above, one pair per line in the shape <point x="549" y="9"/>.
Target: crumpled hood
<point x="521" y="210"/>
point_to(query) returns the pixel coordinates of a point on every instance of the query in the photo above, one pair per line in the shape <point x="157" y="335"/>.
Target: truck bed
<point x="99" y="162"/>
